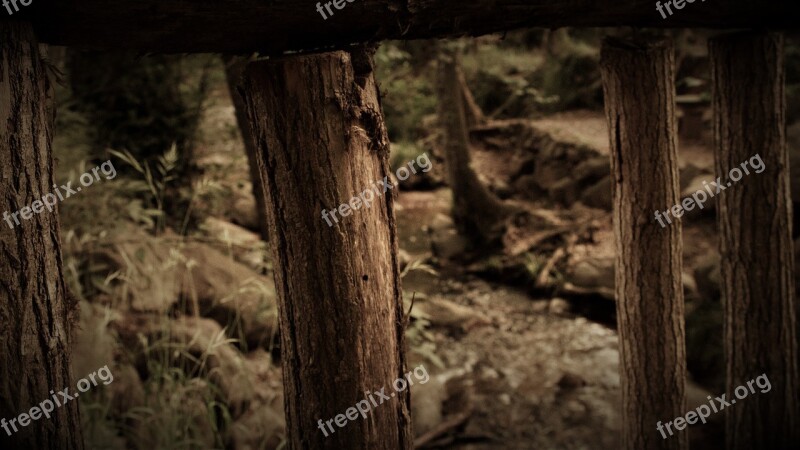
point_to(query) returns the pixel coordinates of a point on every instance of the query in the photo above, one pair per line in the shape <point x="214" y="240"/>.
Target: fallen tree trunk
<point x="231" y="26"/>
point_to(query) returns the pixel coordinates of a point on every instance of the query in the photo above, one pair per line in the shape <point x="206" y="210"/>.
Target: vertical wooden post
<point x="639" y="102"/>
<point x="35" y="314"/>
<point x="234" y="67"/>
<point x="321" y="141"/>
<point x="754" y="218"/>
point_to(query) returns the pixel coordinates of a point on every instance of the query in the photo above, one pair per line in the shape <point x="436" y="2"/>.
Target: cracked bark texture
<point x="321" y="140"/>
<point x="754" y="218"/>
<point x="35" y="312"/>
<point x="639" y="102"/>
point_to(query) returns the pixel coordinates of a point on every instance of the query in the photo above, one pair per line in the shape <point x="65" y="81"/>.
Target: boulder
<point x="442" y="312"/>
<point x="707" y="276"/>
<point x="598" y="195"/>
<point x="230" y="293"/>
<point x="242" y="244"/>
<point x="197" y="346"/>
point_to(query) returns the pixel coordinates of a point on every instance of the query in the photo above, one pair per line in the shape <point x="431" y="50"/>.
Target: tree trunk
<point x="649" y="293"/>
<point x="477" y="212"/>
<point x="754" y="218"/>
<point x="35" y="312"/>
<point x="321" y="140"/>
<point x="234" y="68"/>
<point x="472" y="112"/>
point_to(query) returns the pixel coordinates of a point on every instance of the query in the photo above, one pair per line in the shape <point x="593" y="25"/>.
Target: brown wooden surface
<point x="754" y="217"/>
<point x="640" y="109"/>
<point x="319" y="128"/>
<point x="234" y="68"/>
<point x="35" y="314"/>
<point x="277" y="25"/>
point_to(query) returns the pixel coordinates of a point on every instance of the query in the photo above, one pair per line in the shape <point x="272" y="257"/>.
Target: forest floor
<point x="512" y="367"/>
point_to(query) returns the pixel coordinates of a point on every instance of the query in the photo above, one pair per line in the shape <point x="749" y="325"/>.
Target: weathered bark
<point x="35" y="313"/>
<point x="321" y="140"/>
<point x="644" y="165"/>
<point x="477" y="212"/>
<point x="271" y="27"/>
<point x="754" y="217"/>
<point x="234" y="68"/>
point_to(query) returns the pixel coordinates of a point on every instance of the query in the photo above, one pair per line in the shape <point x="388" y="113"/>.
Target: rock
<point x="540" y="306"/>
<point x="426" y="407"/>
<point x="565" y="191"/>
<point x="593" y="273"/>
<point x="570" y="381"/>
<point x="696" y="184"/>
<point x="94" y="345"/>
<point x="598" y="195"/>
<point x="690" y="172"/>
<point x="442" y="222"/>
<point x="448" y="244"/>
<point x="558" y="306"/>
<point x="527" y="187"/>
<point x="593" y="168"/>
<point x="242" y="244"/>
<point x="184" y="402"/>
<point x="126" y="392"/>
<point x="690" y="291"/>
<point x="157" y="272"/>
<point x="243" y="208"/>
<point x="202" y="339"/>
<point x="263" y="424"/>
<point x="707" y="276"/>
<point x="147" y="271"/>
<point x="230" y="293"/>
<point x="442" y="312"/>
<point x="575" y="411"/>
<point x="262" y="427"/>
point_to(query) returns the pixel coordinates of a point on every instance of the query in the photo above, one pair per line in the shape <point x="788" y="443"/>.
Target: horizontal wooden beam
<point x="276" y="26"/>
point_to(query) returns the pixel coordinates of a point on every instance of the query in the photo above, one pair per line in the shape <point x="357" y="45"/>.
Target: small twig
<point x="407" y="317"/>
<point x="544" y="274"/>
<point x="442" y="428"/>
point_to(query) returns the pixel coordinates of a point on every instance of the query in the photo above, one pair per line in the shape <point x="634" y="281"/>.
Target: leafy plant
<point x="154" y="184"/>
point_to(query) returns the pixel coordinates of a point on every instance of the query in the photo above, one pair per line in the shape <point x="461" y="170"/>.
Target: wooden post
<point x="234" y="67"/>
<point x="639" y="102"/>
<point x="35" y="314"/>
<point x="321" y="142"/>
<point x="754" y="218"/>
